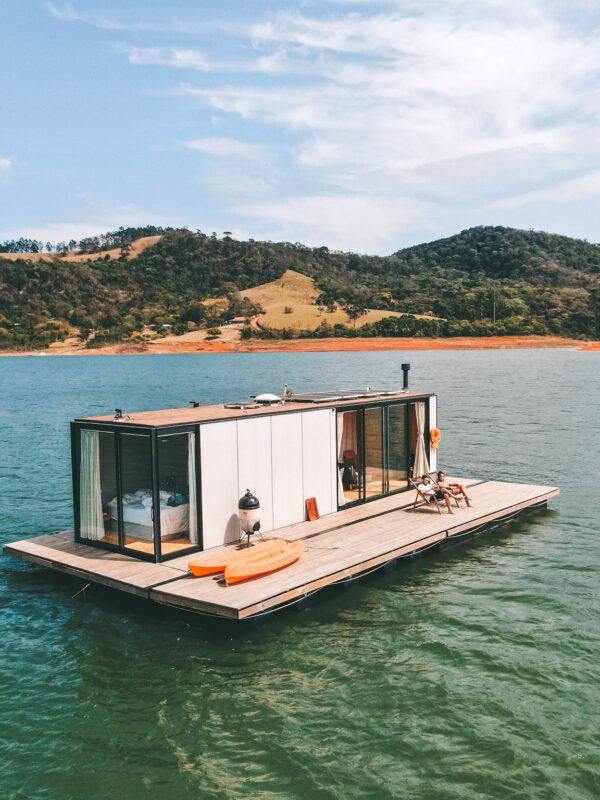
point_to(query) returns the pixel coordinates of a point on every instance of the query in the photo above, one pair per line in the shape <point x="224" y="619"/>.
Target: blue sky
<point x="364" y="126"/>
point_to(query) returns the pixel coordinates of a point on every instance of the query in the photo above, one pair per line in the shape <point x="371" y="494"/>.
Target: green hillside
<point x="483" y="281"/>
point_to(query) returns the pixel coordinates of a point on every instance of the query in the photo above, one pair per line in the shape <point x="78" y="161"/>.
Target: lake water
<point x="469" y="674"/>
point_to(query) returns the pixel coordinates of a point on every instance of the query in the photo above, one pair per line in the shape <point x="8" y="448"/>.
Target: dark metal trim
<point x="199" y="515"/>
<point x="75" y="468"/>
<point x="115" y="427"/>
<point x="120" y="525"/>
<point x="155" y="497"/>
<point x="166" y="431"/>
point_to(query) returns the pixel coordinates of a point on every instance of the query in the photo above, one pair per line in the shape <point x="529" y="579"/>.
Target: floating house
<point x="160" y="484"/>
<point x="332" y="468"/>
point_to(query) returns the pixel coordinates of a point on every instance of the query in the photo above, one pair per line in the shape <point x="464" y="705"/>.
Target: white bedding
<point x="137" y="509"/>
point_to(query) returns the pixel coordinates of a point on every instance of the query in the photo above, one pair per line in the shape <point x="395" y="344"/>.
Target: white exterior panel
<point x="433" y="459"/>
<point x="288" y="489"/>
<point x="318" y="465"/>
<point x="254" y="468"/>
<point x="334" y="459"/>
<point x="220" y="485"/>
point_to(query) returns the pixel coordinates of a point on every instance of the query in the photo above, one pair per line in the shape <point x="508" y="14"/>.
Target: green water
<point x="472" y="673"/>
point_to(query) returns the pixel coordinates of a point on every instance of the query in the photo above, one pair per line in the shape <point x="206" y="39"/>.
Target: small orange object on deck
<point x="312" y="509"/>
<point x="263" y="564"/>
<point x="217" y="563"/>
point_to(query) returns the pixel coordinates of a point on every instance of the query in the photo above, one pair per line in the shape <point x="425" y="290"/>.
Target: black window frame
<point x="152" y="434"/>
<point x="384" y="405"/>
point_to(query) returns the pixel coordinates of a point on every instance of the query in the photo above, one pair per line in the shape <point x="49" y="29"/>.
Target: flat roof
<point x="191" y="416"/>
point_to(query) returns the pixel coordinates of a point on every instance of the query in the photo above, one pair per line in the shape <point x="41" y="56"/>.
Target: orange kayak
<point x="263" y="563"/>
<point x="217" y="563"/>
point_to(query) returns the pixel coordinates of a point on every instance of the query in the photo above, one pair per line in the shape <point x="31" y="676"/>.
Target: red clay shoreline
<point x="327" y="346"/>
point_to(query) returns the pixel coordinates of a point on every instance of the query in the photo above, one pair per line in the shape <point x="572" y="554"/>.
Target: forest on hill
<point x="484" y="281"/>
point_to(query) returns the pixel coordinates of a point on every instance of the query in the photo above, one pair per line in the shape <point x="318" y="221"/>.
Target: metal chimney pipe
<point x="405" y="368"/>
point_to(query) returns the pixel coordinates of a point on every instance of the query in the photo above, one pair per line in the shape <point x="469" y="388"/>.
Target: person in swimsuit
<point x="453" y="489"/>
<point x="430" y="490"/>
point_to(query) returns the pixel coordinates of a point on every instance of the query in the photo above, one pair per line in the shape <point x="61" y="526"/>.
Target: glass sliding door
<point x="373" y="451"/>
<point x="177" y="491"/>
<point x="98" y="505"/>
<point x="349" y="435"/>
<point x="397" y="448"/>
<point x="136" y="492"/>
<point x="373" y="472"/>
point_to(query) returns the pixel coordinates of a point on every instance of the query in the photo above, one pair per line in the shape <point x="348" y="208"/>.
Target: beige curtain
<point x="91" y="522"/>
<point x="420" y="466"/>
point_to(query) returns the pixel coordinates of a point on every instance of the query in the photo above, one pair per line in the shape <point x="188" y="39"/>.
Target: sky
<point x="363" y="126"/>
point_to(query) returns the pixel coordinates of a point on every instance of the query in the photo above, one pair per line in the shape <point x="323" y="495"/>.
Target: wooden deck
<point x="338" y="547"/>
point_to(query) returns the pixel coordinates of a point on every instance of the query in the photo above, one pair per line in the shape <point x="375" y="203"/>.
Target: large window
<point x="397" y="454"/>
<point x="127" y="504"/>
<point x="136" y="492"/>
<point x="375" y="450"/>
<point x="373" y="460"/>
<point x="177" y="484"/>
<point x="349" y="434"/>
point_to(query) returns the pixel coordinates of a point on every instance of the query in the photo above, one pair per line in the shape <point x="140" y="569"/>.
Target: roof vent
<point x="267" y="399"/>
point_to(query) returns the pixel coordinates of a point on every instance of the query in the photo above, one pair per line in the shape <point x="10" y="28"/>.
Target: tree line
<point x="483" y="281"/>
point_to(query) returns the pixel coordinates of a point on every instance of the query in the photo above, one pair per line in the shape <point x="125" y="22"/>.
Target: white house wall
<point x="318" y="448"/>
<point x="286" y="449"/>
<point x="255" y="465"/>
<point x="220" y="486"/>
<point x="283" y="460"/>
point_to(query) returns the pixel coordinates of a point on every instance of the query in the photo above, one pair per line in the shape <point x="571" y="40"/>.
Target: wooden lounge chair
<point x="421" y="499"/>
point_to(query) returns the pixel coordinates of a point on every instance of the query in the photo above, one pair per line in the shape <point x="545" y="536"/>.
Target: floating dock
<point x="339" y="547"/>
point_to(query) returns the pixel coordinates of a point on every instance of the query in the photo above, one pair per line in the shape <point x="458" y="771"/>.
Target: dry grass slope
<point x="299" y="293"/>
<point x="135" y="250"/>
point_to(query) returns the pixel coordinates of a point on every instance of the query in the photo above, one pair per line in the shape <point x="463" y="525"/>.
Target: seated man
<point x="454" y="489"/>
<point x="430" y="490"/>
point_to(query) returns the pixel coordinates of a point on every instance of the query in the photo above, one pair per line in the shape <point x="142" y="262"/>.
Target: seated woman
<point x="454" y="489"/>
<point x="430" y="490"/>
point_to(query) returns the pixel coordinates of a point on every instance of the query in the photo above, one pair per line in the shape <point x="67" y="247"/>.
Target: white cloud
<point x="221" y="146"/>
<point x="563" y="192"/>
<point x="396" y="113"/>
<point x="399" y="93"/>
<point x="5" y="163"/>
<point x="104" y="220"/>
<point x="347" y="222"/>
<point x="65" y="12"/>
<point x="181" y="57"/>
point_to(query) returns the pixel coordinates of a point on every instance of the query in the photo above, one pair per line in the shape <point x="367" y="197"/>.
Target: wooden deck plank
<point x="90" y="563"/>
<point x="338" y="547"/>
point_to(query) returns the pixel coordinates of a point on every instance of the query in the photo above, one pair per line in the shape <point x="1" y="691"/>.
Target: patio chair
<point x="421" y="499"/>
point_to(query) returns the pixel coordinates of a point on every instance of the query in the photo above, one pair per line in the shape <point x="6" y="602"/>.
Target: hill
<point x="133" y="251"/>
<point x="291" y="302"/>
<point x="484" y="281"/>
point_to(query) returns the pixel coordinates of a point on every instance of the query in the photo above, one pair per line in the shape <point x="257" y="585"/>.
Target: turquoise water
<point x="473" y="673"/>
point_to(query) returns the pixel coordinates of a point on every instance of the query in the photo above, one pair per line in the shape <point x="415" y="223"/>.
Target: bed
<point x="137" y="516"/>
